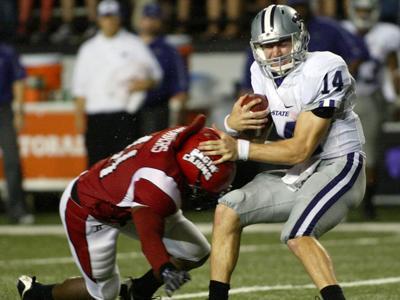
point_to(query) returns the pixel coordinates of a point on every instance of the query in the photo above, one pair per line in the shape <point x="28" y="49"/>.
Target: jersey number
<point x="116" y="159"/>
<point x="337" y="82"/>
<point x="130" y="151"/>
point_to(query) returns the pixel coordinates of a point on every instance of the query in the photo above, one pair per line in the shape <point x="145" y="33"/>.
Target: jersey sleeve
<point x="150" y="195"/>
<point x="150" y="229"/>
<point x="327" y="84"/>
<point x="149" y="221"/>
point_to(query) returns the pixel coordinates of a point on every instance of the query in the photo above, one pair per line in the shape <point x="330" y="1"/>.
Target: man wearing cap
<point x="113" y="71"/>
<point x="164" y="104"/>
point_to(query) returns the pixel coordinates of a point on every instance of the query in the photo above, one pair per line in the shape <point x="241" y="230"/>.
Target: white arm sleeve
<point x="80" y="74"/>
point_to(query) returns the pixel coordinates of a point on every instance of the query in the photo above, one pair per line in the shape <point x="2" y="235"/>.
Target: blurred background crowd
<point x="72" y="21"/>
<point x="70" y="68"/>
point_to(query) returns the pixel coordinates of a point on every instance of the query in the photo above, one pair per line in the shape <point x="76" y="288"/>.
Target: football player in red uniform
<point x="139" y="192"/>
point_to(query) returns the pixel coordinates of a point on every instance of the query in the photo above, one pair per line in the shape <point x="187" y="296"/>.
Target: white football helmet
<point x="273" y="24"/>
<point x="366" y="19"/>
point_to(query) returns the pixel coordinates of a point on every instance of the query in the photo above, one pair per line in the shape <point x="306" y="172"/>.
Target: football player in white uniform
<point x="383" y="41"/>
<point x="311" y="103"/>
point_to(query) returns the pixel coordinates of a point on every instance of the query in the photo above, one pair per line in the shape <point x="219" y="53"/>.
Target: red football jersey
<point x="145" y="173"/>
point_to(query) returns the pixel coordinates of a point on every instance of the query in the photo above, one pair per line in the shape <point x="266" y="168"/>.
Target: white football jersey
<point x="322" y="80"/>
<point x="381" y="39"/>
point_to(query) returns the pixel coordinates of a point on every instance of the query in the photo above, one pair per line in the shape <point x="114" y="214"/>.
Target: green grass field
<point x="367" y="262"/>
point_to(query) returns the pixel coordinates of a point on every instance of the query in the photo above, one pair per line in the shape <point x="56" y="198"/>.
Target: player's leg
<point x="184" y="242"/>
<point x="323" y="202"/>
<point x="30" y="289"/>
<point x="256" y="202"/>
<point x="143" y="287"/>
<point x="225" y="250"/>
<point x="93" y="247"/>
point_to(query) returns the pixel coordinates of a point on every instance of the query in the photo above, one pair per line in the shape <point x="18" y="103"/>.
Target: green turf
<point x="384" y="214"/>
<point x="263" y="262"/>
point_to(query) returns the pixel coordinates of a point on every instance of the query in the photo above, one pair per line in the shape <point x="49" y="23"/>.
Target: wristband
<point x="229" y="130"/>
<point x="243" y="148"/>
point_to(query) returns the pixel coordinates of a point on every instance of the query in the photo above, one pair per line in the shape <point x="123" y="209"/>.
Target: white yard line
<point x="254" y="289"/>
<point x="58" y="260"/>
<point x="206" y="228"/>
<point x="243" y="249"/>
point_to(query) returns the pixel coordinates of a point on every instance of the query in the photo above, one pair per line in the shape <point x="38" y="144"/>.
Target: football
<point x="257" y="135"/>
<point x="259" y="106"/>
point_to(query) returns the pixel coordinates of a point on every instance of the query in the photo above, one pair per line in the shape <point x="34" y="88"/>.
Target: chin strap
<point x="200" y="199"/>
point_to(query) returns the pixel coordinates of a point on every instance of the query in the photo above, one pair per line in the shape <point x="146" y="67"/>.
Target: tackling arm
<point x="150" y="228"/>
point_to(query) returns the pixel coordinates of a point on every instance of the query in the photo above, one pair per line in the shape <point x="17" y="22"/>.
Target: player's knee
<point x="203" y="260"/>
<point x="231" y="201"/>
<point x="293" y="244"/>
<point x="110" y="294"/>
<point x="200" y="262"/>
<point x="226" y="217"/>
<point x="288" y="236"/>
<point x="105" y="294"/>
<point x="107" y="289"/>
<point x="297" y="244"/>
<point x="285" y="235"/>
<point x="191" y="264"/>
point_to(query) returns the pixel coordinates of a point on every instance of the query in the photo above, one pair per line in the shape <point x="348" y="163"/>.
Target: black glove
<point x="173" y="278"/>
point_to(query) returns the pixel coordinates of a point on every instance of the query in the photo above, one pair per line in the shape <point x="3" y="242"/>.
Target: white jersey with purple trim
<point x="381" y="40"/>
<point x="322" y="80"/>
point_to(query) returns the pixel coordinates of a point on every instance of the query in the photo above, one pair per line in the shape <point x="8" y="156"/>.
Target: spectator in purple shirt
<point x="12" y="76"/>
<point x="326" y="34"/>
<point x="164" y="104"/>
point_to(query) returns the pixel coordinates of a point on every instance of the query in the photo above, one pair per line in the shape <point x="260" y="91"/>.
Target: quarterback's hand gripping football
<point x="173" y="278"/>
<point x="226" y="147"/>
<point x="242" y="118"/>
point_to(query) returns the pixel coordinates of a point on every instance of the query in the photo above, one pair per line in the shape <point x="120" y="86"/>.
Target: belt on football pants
<point x="74" y="193"/>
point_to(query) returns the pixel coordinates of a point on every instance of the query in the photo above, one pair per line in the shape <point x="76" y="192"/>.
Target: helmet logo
<point x="297" y="18"/>
<point x="202" y="162"/>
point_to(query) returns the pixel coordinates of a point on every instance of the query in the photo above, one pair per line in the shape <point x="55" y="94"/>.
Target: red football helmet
<point x="199" y="170"/>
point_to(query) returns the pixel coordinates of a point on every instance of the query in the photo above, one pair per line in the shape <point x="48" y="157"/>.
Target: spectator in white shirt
<point x="113" y="71"/>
